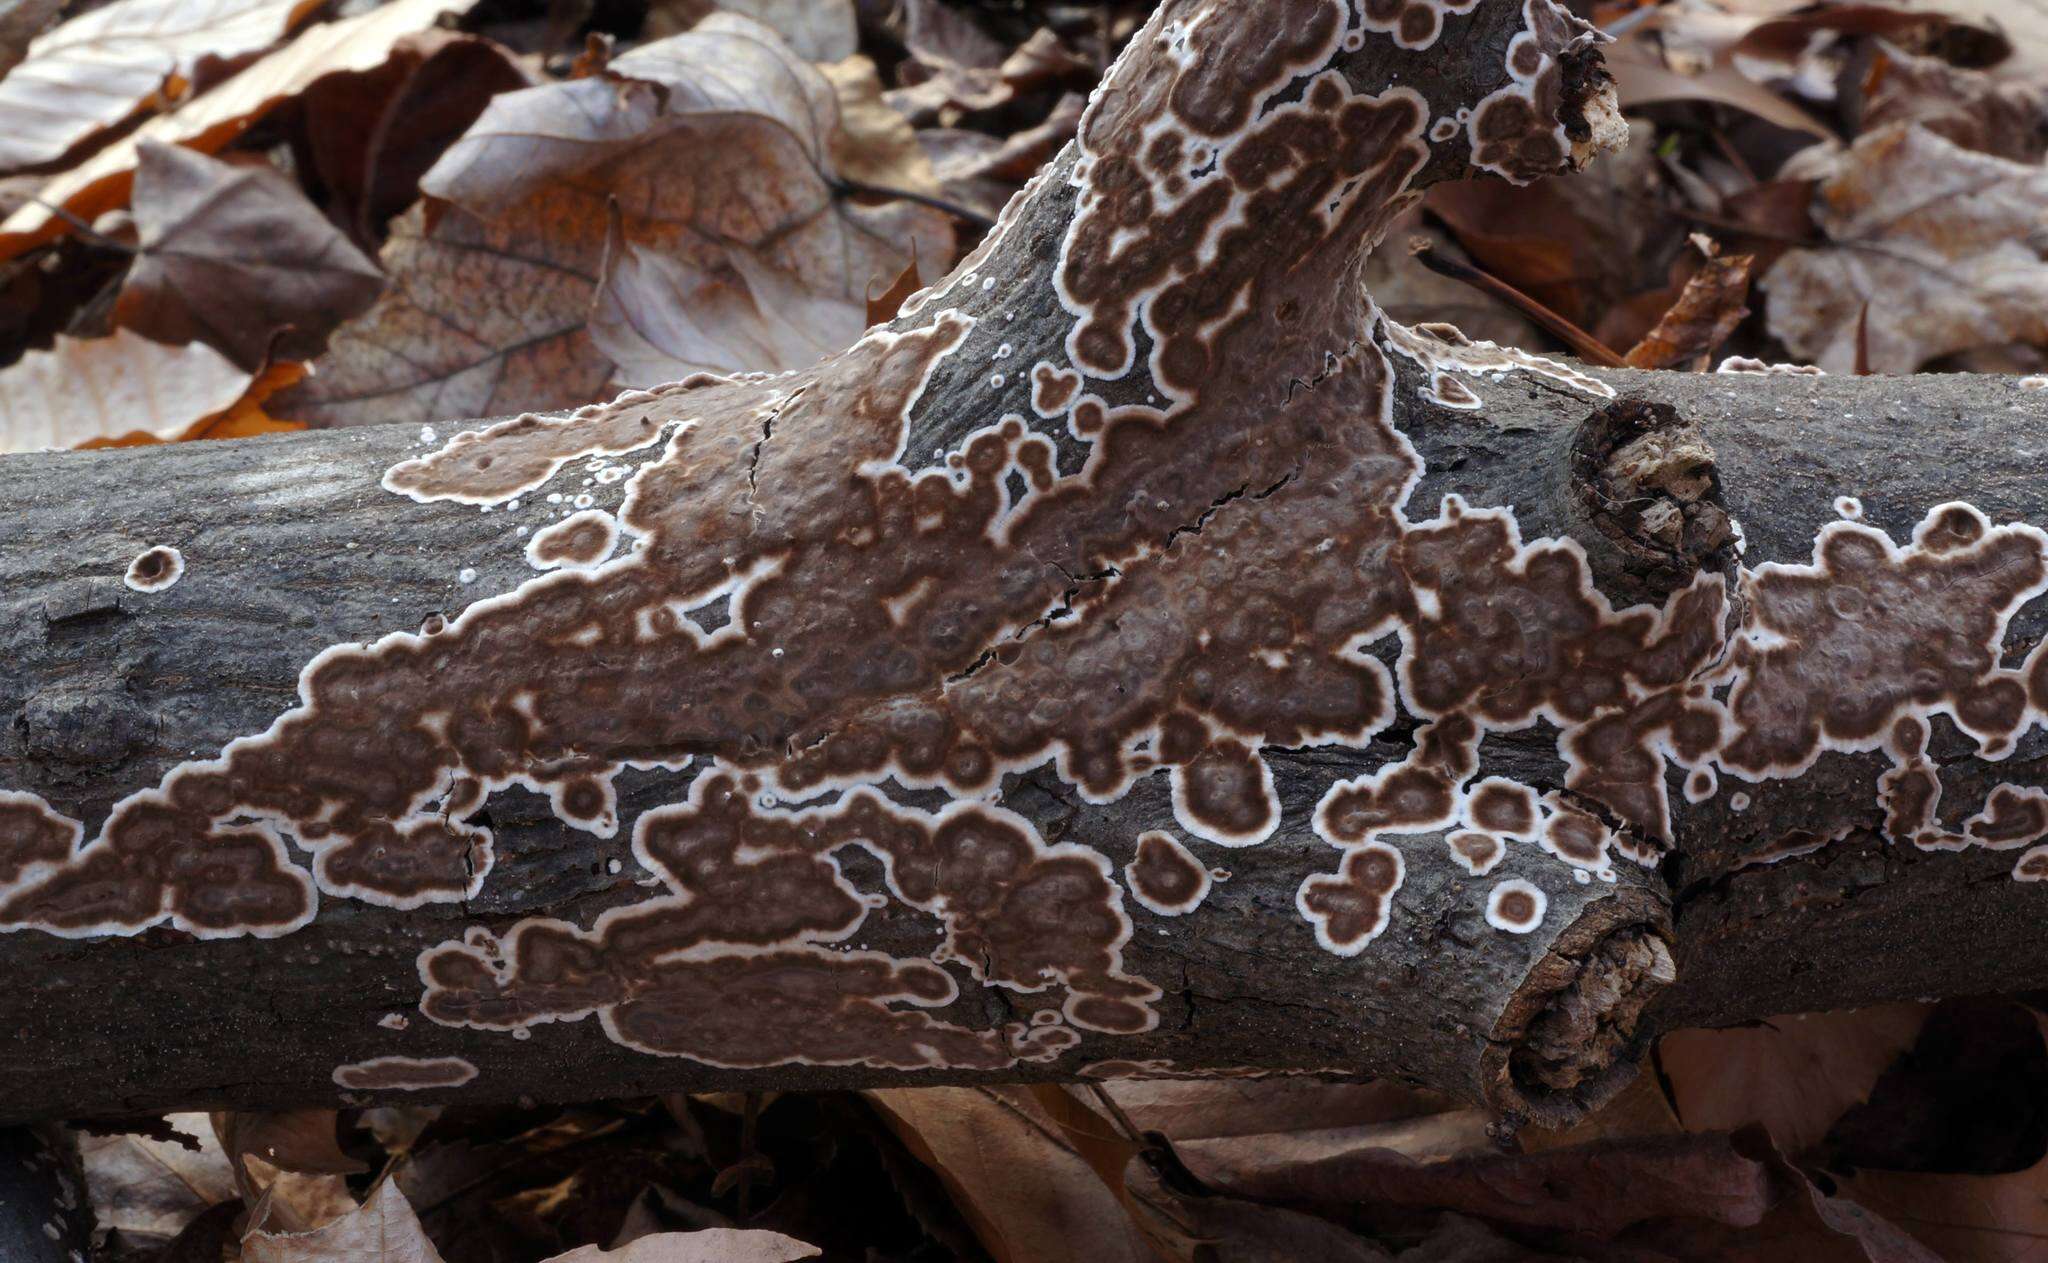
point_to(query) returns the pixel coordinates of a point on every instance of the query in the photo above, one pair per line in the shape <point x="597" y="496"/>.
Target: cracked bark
<point x="293" y="547"/>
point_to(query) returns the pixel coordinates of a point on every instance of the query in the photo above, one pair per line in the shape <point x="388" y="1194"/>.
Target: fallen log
<point x="1138" y="657"/>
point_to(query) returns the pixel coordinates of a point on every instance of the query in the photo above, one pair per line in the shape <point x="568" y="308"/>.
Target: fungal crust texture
<point x="861" y="623"/>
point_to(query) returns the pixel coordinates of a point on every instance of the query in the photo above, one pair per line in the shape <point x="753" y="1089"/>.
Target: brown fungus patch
<point x="1477" y="853"/>
<point x="2013" y="816"/>
<point x="404" y="1074"/>
<point x="1351" y="908"/>
<point x="155" y="569"/>
<point x="756" y="894"/>
<point x="1164" y="877"/>
<point x="1516" y="907"/>
<point x="1832" y="653"/>
<point x="1520" y="132"/>
<point x="32" y="835"/>
<point x="578" y="541"/>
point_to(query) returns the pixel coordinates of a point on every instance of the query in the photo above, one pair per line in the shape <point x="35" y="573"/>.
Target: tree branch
<point x="1139" y="656"/>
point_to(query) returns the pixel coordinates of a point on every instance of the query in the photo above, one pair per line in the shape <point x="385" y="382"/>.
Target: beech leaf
<point x="383" y="1229"/>
<point x="211" y="120"/>
<point x="235" y="256"/>
<point x="732" y="249"/>
<point x="106" y="65"/>
<point x="85" y="390"/>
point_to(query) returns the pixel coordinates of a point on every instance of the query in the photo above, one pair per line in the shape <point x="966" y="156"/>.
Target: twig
<point x="1588" y="347"/>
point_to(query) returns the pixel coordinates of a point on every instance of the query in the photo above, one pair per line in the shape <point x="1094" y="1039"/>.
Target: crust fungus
<point x="2033" y="866"/>
<point x="1164" y="877"/>
<point x="1168" y="568"/>
<point x="1516" y="907"/>
<point x="155" y="569"/>
<point x="733" y="967"/>
<point x="1477" y="853"/>
<point x="578" y="541"/>
<point x="404" y="1074"/>
<point x="1352" y="908"/>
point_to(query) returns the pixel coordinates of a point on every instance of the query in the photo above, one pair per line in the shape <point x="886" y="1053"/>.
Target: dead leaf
<point x="291" y="1140"/>
<point x="1713" y="302"/>
<point x="213" y="119"/>
<point x="983" y="172"/>
<point x="235" y="256"/>
<point x="1641" y="77"/>
<point x="105" y="65"/>
<point x="961" y="81"/>
<point x="816" y="30"/>
<point x="155" y="1187"/>
<point x="370" y="136"/>
<point x="1211" y="1229"/>
<point x="733" y="249"/>
<point x="1943" y="244"/>
<point x="1974" y="1218"/>
<point x="246" y="419"/>
<point x="1793" y="1075"/>
<point x="1198" y="1109"/>
<point x="883" y="307"/>
<point x="874" y="145"/>
<point x="710" y="1245"/>
<point x="1029" y="1196"/>
<point x="87" y="389"/>
<point x="382" y="1230"/>
<point x="1973" y="108"/>
<point x="482" y="317"/>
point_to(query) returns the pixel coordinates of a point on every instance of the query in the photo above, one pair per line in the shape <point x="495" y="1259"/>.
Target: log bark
<point x="834" y="746"/>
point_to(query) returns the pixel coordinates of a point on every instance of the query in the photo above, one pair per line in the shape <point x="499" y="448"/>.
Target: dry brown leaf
<point x="482" y="317"/>
<point x="107" y="64"/>
<point x="1028" y="1195"/>
<point x="211" y="120"/>
<point x="233" y="255"/>
<point x="1793" y="1075"/>
<point x="290" y="1140"/>
<point x="874" y="145"/>
<point x="883" y="307"/>
<point x="1943" y="245"/>
<point x="961" y="79"/>
<point x="382" y="1230"/>
<point x="1641" y="77"/>
<point x="1972" y="108"/>
<point x="733" y="251"/>
<point x="817" y="30"/>
<point x="983" y="172"/>
<point x="86" y="389"/>
<point x="246" y="419"/>
<point x="1198" y="1109"/>
<point x="370" y="136"/>
<point x="1713" y="302"/>
<point x="1963" y="1218"/>
<point x="155" y="1187"/>
<point x="709" y="1245"/>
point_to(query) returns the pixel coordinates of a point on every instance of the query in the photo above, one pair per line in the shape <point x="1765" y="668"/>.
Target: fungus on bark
<point x="873" y="599"/>
<point x="579" y="541"/>
<point x="155" y="569"/>
<point x="1164" y="877"/>
<point x="1516" y="906"/>
<point x="404" y="1074"/>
